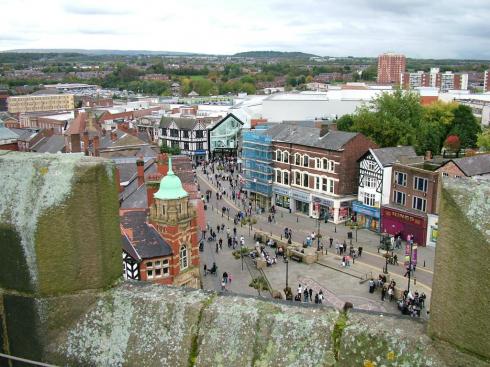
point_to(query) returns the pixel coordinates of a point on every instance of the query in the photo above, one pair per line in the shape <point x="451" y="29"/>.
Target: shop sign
<point x="324" y="202"/>
<point x="280" y="190"/>
<point x="359" y="207"/>
<point x="200" y="151"/>
<point x="407" y="218"/>
<point x="301" y="196"/>
<point x="345" y="204"/>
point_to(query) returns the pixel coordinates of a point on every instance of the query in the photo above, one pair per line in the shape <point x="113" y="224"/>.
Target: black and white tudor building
<point x="189" y="134"/>
<point x="375" y="183"/>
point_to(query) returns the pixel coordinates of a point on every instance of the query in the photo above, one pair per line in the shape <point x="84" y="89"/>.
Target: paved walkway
<point x="303" y="226"/>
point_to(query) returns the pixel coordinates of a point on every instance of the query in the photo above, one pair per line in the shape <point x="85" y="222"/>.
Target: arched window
<point x="297" y="159"/>
<point x="286" y="178"/>
<point x="285" y="157"/>
<point x="325" y="163"/>
<point x="305" y="161"/>
<point x="183" y="258"/>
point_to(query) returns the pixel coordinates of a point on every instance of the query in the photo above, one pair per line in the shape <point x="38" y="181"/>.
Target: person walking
<point x="310" y="293"/>
<point x="305" y="295"/>
<point x="225" y="277"/>
<point x="331" y="241"/>
<point x="300" y="289"/>
<point x="359" y="251"/>
<point x="205" y="269"/>
<point x="383" y="293"/>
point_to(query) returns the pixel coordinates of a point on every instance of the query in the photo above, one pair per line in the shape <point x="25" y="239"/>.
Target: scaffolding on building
<point x="257" y="159"/>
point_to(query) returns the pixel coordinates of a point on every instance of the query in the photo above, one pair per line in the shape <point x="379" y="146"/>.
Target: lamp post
<point x="287" y="270"/>
<point x="241" y="252"/>
<point x="385" y="269"/>
<point x="410" y="266"/>
<point x="318" y="233"/>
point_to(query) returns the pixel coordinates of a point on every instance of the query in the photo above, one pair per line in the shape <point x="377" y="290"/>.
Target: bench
<point x="296" y="258"/>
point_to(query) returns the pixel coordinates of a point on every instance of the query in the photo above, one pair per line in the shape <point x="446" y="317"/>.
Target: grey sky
<point x="417" y="28"/>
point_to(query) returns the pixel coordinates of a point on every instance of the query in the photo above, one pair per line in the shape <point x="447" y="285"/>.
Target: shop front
<point x="323" y="208"/>
<point x="281" y="197"/>
<point x="366" y="216"/>
<point x="344" y="211"/>
<point x="396" y="221"/>
<point x="302" y="201"/>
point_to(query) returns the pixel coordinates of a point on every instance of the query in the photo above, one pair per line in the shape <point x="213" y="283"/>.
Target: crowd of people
<point x="306" y="295"/>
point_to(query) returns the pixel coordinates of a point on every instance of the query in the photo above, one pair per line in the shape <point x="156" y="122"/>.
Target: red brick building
<point x="390" y="67"/>
<point x="414" y="202"/>
<point x="477" y="165"/>
<point x="162" y="247"/>
<point x="316" y="170"/>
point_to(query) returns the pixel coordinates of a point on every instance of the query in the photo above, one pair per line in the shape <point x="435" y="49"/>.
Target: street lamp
<point x="241" y="252"/>
<point x="287" y="270"/>
<point x="410" y="266"/>
<point x="385" y="269"/>
<point x="318" y="233"/>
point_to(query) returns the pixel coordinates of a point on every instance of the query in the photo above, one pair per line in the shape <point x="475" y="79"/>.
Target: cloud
<point x="84" y="9"/>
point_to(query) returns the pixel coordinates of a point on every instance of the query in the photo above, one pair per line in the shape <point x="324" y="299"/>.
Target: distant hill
<point x="274" y="54"/>
<point x="100" y="52"/>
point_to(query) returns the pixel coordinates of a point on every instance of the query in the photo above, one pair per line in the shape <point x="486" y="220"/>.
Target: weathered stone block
<point x="59" y="223"/>
<point x="461" y="286"/>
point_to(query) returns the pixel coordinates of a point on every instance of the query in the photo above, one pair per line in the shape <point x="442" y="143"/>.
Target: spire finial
<point x="170" y="171"/>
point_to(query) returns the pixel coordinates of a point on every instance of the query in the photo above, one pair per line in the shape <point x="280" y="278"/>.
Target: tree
<point x="345" y="123"/>
<point x="465" y="126"/>
<point x="169" y="150"/>
<point x="483" y="140"/>
<point x="390" y="119"/>
<point x="452" y="143"/>
<point x="436" y="121"/>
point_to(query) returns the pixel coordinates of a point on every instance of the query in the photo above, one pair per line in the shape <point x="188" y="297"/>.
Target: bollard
<point x="335" y="229"/>
<point x="297" y="219"/>
<point x="424" y="263"/>
<point x="414" y="281"/>
<point x="281" y="237"/>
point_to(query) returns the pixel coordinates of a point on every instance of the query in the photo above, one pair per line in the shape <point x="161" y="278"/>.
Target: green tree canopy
<point x="483" y="140"/>
<point x="466" y="126"/>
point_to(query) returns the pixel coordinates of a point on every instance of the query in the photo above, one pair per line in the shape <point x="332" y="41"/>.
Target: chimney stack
<point x="85" y="142"/>
<point x="162" y="164"/>
<point x="140" y="166"/>
<point x="323" y="129"/>
<point x="428" y="155"/>
<point x="96" y="146"/>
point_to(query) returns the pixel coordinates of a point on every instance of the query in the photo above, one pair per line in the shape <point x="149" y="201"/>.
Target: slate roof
<point x="134" y="196"/>
<point x="7" y="134"/>
<point x="142" y="236"/>
<point x="475" y="165"/>
<point x="309" y="136"/>
<point x="181" y="122"/>
<point x="25" y="134"/>
<point x="388" y="156"/>
<point x="52" y="144"/>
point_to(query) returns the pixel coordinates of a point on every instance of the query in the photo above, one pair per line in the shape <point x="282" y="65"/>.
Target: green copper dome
<point x="170" y="186"/>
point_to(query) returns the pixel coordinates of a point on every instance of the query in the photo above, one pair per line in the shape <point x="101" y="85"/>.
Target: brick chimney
<point x="140" y="166"/>
<point x="96" y="146"/>
<point x="118" y="181"/>
<point x="162" y="163"/>
<point x="75" y="143"/>
<point x="428" y="155"/>
<point x="85" y="142"/>
<point x="324" y="129"/>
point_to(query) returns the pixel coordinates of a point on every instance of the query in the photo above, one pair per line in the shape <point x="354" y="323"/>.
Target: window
<point x="330" y="186"/>
<point x="276" y="155"/>
<point x="325" y="163"/>
<point x="156" y="269"/>
<point x="445" y="174"/>
<point x="297" y="178"/>
<point x="305" y="161"/>
<point x="165" y="267"/>
<point x="186" y="146"/>
<point x="185" y="133"/>
<point x="369" y="199"/>
<point x="399" y="197"/>
<point x="286" y="178"/>
<point x="297" y="159"/>
<point x="199" y="134"/>
<point x="419" y="203"/>
<point x="317" y="183"/>
<point x="305" y="180"/>
<point x="200" y="145"/>
<point x="285" y="157"/>
<point x="371" y="165"/>
<point x="369" y="181"/>
<point x="318" y="163"/>
<point x="183" y="258"/>
<point x="331" y="166"/>
<point x="174" y="133"/>
<point x="401" y="178"/>
<point x="324" y="184"/>
<point x="420" y="184"/>
<point x="278" y="176"/>
<point x="164" y="132"/>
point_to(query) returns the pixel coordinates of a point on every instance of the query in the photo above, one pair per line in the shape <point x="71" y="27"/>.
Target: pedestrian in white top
<point x="300" y="289"/>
